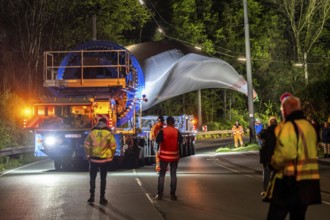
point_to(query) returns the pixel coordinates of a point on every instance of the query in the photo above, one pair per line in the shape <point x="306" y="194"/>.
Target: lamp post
<point x="249" y="73"/>
<point x="199" y="122"/>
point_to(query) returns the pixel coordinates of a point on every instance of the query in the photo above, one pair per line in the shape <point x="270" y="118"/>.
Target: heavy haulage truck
<point x="96" y="79"/>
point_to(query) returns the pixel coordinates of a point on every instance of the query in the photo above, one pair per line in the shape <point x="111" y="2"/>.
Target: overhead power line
<point x="234" y="53"/>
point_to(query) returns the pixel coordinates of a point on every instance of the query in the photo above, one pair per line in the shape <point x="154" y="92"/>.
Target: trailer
<point x="95" y="79"/>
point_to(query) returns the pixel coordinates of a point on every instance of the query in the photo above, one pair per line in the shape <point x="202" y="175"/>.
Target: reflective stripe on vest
<point x="307" y="168"/>
<point x="101" y="161"/>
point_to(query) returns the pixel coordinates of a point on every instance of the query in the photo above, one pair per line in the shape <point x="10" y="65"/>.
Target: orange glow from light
<point x="27" y="112"/>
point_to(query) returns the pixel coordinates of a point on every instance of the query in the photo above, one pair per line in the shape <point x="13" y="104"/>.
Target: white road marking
<point x="138" y="181"/>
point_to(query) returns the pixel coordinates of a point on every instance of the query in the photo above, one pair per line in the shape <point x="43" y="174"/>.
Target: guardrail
<point x="16" y="150"/>
<point x="214" y="132"/>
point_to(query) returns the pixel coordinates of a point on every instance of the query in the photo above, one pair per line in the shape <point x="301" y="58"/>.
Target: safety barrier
<point x="218" y="133"/>
<point x="10" y="151"/>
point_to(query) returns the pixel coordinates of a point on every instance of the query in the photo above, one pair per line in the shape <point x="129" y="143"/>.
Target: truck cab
<point x="61" y="125"/>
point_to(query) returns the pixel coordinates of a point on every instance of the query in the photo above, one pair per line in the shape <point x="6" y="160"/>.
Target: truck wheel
<point x="67" y="165"/>
<point x="57" y="165"/>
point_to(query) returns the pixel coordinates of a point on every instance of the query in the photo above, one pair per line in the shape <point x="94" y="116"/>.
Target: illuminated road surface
<point x="210" y="187"/>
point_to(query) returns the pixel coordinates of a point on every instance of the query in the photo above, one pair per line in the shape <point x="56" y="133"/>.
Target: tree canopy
<point x="282" y="34"/>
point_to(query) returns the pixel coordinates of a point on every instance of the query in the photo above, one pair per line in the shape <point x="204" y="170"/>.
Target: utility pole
<point x="249" y="74"/>
<point x="199" y="123"/>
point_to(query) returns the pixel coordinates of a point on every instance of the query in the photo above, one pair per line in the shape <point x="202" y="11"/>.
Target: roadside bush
<point x="213" y="126"/>
<point x="6" y="135"/>
<point x="11" y="117"/>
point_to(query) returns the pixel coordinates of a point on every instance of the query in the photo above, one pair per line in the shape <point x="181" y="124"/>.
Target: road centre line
<point x="139" y="182"/>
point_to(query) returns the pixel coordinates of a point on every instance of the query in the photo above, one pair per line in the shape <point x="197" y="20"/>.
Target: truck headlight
<point x="51" y="141"/>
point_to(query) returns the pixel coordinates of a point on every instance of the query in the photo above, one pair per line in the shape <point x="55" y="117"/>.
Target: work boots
<point x="159" y="196"/>
<point x="91" y="198"/>
<point x="103" y="201"/>
<point x="173" y="196"/>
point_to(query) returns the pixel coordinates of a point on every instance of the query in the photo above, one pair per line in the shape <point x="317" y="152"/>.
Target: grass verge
<point x="226" y="149"/>
<point x="7" y="162"/>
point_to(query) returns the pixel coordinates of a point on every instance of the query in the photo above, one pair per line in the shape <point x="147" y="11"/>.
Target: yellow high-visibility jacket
<point x="300" y="149"/>
<point x="286" y="151"/>
<point x="237" y="130"/>
<point x="100" y="145"/>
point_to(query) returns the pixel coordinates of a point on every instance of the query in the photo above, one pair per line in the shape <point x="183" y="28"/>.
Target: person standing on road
<point x="267" y="148"/>
<point x="258" y="126"/>
<point x="238" y="132"/>
<point x="294" y="159"/>
<point x="100" y="146"/>
<point x="169" y="140"/>
<point x="156" y="128"/>
<point x="153" y="134"/>
<point x="325" y="139"/>
<point x="281" y="123"/>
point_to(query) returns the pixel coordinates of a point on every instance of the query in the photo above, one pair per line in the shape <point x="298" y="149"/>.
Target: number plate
<point x="72" y="135"/>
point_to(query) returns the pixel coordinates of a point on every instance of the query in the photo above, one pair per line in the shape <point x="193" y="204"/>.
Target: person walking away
<point x="325" y="139"/>
<point x="258" y="126"/>
<point x="296" y="181"/>
<point x="238" y="132"/>
<point x="266" y="151"/>
<point x="169" y="140"/>
<point x="153" y="134"/>
<point x="100" y="146"/>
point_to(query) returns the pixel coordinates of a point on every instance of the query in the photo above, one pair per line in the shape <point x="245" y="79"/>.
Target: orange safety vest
<point x="155" y="129"/>
<point x="169" y="147"/>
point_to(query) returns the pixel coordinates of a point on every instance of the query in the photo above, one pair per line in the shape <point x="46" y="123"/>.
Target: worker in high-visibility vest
<point x="295" y="156"/>
<point x="169" y="139"/>
<point x="100" y="146"/>
<point x="153" y="134"/>
<point x="238" y="132"/>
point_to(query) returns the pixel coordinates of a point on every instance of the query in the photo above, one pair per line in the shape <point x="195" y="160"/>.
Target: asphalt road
<point x="210" y="186"/>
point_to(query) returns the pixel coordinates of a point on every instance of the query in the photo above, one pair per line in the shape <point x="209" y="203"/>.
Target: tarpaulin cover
<point x="172" y="69"/>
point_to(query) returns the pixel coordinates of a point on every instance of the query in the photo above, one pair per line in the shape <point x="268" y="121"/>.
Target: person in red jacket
<point x="169" y="140"/>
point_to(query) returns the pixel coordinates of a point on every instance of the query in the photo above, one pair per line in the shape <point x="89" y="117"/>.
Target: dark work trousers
<point x="93" y="168"/>
<point x="161" y="177"/>
<point x="278" y="212"/>
<point x="266" y="175"/>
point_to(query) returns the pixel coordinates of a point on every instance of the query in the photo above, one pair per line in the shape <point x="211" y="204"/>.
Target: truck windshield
<point x="63" y="116"/>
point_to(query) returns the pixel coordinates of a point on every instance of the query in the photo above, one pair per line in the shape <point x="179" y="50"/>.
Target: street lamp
<point x="249" y="73"/>
<point x="241" y="59"/>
